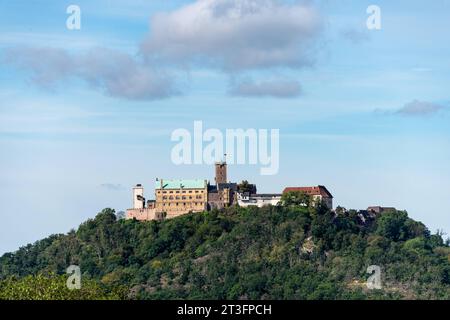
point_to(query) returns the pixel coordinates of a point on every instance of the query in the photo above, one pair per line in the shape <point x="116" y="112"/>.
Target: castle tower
<point x="138" y="197"/>
<point x="221" y="172"/>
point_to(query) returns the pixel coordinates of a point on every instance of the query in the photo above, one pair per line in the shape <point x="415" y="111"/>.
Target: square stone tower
<point x="221" y="172"/>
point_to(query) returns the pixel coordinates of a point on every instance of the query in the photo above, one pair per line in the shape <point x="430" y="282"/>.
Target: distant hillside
<point x="289" y="252"/>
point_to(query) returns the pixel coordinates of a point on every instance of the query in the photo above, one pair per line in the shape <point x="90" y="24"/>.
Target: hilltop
<point x="274" y="252"/>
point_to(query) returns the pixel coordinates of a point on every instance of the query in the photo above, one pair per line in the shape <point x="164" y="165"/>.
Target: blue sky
<point x="369" y="118"/>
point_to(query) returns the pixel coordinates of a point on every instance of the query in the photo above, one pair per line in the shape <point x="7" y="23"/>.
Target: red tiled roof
<point x="313" y="191"/>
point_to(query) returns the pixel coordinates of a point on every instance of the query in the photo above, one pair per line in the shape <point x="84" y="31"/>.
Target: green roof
<point x="177" y="184"/>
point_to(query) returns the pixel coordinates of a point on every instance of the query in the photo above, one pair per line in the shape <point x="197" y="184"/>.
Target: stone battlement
<point x="143" y="214"/>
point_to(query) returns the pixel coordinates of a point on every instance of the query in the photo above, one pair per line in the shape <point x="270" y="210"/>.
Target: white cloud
<point x="115" y="73"/>
<point x="235" y="35"/>
<point x="419" y="108"/>
<point x="112" y="186"/>
<point x="274" y="88"/>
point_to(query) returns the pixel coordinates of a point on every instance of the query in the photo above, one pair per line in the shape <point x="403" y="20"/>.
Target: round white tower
<point x="138" y="197"/>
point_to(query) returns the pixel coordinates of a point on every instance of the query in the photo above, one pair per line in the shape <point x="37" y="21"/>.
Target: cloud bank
<point x="232" y="36"/>
<point x="115" y="73"/>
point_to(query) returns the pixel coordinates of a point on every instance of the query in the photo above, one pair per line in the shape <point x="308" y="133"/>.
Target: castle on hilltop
<point x="177" y="197"/>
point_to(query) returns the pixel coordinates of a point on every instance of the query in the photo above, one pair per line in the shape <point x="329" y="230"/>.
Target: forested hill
<point x="284" y="252"/>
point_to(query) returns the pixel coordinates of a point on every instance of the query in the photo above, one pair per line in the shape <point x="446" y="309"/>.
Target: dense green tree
<point x="245" y="186"/>
<point x="293" y="251"/>
<point x="53" y="287"/>
<point x="296" y="198"/>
